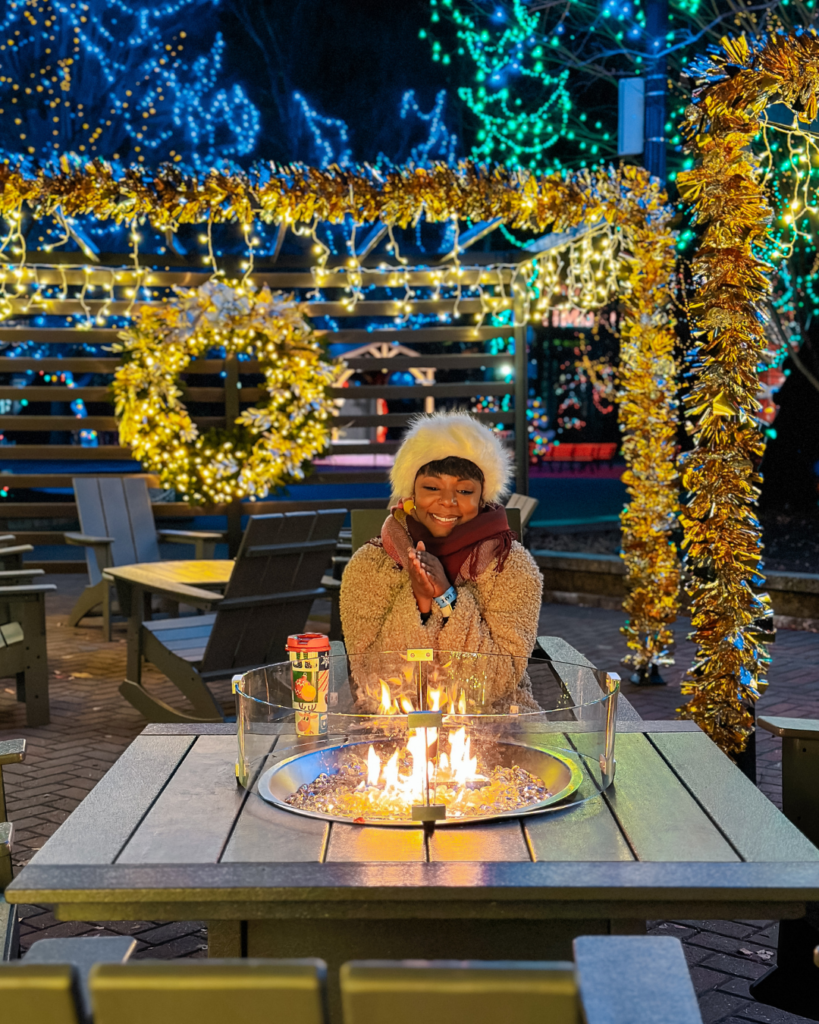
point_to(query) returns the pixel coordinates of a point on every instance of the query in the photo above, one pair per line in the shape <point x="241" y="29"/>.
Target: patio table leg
<point x="227" y="939"/>
<point x="132" y="601"/>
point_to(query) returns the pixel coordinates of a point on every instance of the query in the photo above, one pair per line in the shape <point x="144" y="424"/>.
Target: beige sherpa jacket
<point x="497" y="614"/>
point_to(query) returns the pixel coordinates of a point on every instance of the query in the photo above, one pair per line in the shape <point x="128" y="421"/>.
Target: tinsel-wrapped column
<point x="647" y="410"/>
<point x="722" y="534"/>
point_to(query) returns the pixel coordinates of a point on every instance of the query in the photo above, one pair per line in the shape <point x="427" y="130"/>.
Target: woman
<point x="446" y="572"/>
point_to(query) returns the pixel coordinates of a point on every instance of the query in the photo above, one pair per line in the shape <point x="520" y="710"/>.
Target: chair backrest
<point x="118" y="507"/>
<point x="208" y="992"/>
<point x="525" y="506"/>
<point x="39" y="994"/>
<point x="274" y="582"/>
<point x="366" y="523"/>
<point x="459" y="992"/>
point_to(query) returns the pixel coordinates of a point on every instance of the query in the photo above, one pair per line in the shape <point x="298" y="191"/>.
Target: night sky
<point x="354" y="59"/>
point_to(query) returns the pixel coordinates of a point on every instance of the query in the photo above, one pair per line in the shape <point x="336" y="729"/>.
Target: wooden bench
<point x="613" y="980"/>
<point x="117" y="528"/>
<point x="175" y="992"/>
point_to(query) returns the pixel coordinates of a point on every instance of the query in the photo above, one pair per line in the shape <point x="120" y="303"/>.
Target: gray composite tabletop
<point x="168" y="834"/>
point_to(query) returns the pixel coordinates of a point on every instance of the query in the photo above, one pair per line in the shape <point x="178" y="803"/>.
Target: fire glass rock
<point x="359" y="792"/>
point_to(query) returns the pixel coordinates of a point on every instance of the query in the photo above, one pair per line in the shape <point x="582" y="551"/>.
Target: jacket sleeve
<point x="497" y="615"/>
<point x="378" y="608"/>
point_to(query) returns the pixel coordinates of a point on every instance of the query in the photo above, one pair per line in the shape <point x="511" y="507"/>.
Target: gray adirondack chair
<point x="23" y="651"/>
<point x="117" y="525"/>
<point x="275" y="580"/>
<point x="11" y="752"/>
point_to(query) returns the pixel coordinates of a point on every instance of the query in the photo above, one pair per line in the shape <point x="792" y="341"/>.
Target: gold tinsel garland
<point x="647" y="410"/>
<point x="267" y="446"/>
<point x="624" y="198"/>
<point x="722" y="534"/>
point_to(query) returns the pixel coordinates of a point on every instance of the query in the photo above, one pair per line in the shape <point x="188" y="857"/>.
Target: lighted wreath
<point x="268" y="445"/>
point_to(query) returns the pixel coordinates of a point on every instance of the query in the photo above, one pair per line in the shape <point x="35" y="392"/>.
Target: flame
<point x="434" y="699"/>
<point x="373" y="767"/>
<point x="406" y="705"/>
<point x="385" y="708"/>
<point x="391" y="774"/>
<point x="464" y="768"/>
<point x="462" y="703"/>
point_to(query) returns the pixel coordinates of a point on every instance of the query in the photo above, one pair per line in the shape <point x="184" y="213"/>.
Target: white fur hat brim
<point x="443" y="434"/>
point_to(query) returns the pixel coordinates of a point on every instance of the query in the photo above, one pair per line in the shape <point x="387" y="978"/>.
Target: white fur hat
<point x="443" y="434"/>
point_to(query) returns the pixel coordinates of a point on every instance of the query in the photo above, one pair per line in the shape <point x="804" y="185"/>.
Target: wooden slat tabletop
<point x="194" y="572"/>
<point x="167" y="830"/>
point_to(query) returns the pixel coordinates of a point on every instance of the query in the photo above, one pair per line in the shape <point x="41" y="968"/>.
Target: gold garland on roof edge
<point x="722" y="534"/>
<point x="625" y="197"/>
<point x="267" y="445"/>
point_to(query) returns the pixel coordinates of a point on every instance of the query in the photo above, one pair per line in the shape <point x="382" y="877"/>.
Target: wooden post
<point x="521" y="365"/>
<point x="234" y="509"/>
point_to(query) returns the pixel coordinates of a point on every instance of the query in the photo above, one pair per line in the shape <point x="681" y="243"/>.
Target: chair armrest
<point x="204" y="541"/>
<point x="12" y="751"/>
<point x="33" y="588"/>
<point x="330" y="583"/>
<point x="8" y="538"/>
<point x="18" y="549"/>
<point x="634" y="979"/>
<point x="193" y="596"/>
<point x="81" y="540"/>
<point x="788" y="728"/>
<point x="7" y="575"/>
<point x="181" y="536"/>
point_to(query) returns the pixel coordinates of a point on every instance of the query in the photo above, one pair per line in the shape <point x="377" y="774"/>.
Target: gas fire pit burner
<point x="336" y="784"/>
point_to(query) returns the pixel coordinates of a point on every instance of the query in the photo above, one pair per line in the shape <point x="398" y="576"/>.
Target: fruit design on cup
<point x="309" y="655"/>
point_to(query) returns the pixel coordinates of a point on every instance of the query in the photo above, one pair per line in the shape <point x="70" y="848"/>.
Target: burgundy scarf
<point x="467" y="551"/>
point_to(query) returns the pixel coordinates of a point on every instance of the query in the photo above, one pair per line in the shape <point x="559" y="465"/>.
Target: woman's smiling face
<point x="444" y="502"/>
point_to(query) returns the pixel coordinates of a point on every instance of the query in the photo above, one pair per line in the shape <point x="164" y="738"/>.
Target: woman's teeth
<point x="444" y="519"/>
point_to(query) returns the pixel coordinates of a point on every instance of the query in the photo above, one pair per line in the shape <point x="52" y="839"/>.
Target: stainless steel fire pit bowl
<point x="562" y="775"/>
<point x="423" y="737"/>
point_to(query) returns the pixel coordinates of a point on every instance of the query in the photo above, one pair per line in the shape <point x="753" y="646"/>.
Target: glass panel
<point x="404" y="737"/>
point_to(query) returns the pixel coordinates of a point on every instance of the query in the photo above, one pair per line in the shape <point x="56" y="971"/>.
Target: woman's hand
<point x="433" y="568"/>
<point x="427" y="577"/>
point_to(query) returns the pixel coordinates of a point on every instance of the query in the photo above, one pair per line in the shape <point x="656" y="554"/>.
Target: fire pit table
<point x="169" y="834"/>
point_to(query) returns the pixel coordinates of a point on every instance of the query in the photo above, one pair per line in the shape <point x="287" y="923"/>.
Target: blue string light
<point x="110" y="80"/>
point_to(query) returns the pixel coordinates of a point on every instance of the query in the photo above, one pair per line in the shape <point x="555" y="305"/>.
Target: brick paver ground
<point x="91" y="726"/>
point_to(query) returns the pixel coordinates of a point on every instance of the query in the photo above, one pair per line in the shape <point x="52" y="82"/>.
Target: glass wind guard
<point x="407" y="737"/>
